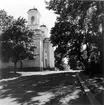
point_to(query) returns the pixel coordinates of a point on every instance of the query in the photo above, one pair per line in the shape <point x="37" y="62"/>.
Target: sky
<point x="19" y="8"/>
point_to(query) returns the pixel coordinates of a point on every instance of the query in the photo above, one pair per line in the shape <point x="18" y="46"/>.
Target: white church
<point x="44" y="50"/>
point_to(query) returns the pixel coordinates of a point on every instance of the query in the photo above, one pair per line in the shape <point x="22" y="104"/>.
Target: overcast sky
<point x="18" y="8"/>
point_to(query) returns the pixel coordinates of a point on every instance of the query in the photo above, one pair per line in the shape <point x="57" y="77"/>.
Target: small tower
<point x="33" y="18"/>
<point x="44" y="30"/>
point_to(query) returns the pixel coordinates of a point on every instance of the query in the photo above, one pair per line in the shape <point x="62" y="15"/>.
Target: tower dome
<point x="44" y="29"/>
<point x="33" y="9"/>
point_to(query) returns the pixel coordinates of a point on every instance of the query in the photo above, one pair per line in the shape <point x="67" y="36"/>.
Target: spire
<point x="34" y="7"/>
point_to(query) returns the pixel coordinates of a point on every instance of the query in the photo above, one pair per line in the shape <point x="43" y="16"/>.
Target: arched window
<point x="32" y="19"/>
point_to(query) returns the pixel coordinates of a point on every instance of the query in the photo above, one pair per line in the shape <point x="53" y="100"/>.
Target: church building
<point x="44" y="58"/>
<point x="44" y="50"/>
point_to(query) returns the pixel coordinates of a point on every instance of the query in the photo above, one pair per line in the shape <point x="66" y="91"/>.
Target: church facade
<point x="44" y="58"/>
<point x="45" y="52"/>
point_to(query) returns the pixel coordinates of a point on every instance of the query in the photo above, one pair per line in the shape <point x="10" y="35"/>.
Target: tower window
<point x="32" y="20"/>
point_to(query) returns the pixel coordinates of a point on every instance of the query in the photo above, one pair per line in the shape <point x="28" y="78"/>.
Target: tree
<point x="5" y="20"/>
<point x="77" y="30"/>
<point x="16" y="42"/>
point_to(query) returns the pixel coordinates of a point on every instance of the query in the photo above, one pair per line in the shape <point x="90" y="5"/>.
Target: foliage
<point x="77" y="30"/>
<point x="16" y="42"/>
<point x="5" y="20"/>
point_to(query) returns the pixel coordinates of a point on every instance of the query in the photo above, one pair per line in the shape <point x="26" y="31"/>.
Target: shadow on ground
<point x="57" y="89"/>
<point x="8" y="73"/>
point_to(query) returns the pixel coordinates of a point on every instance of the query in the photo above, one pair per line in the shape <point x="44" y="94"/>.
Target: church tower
<point x="34" y="24"/>
<point x="33" y="18"/>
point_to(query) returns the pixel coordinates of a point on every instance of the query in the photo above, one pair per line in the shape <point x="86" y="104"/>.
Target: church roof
<point x="43" y="25"/>
<point x="33" y="9"/>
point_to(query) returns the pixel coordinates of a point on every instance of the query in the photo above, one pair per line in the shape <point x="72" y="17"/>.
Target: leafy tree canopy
<point x="78" y="24"/>
<point x="5" y="20"/>
<point x="17" y="41"/>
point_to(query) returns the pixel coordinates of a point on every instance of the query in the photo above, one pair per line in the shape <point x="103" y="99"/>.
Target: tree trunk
<point x="85" y="63"/>
<point x="21" y="64"/>
<point x="15" y="67"/>
<point x="102" y="54"/>
<point x="88" y="52"/>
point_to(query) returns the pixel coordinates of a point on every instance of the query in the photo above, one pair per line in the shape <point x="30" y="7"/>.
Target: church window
<point x="32" y="20"/>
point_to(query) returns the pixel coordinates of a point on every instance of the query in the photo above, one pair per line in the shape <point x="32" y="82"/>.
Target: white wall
<point x="51" y="56"/>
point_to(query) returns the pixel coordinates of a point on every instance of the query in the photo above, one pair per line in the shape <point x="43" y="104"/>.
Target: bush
<point x="93" y="69"/>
